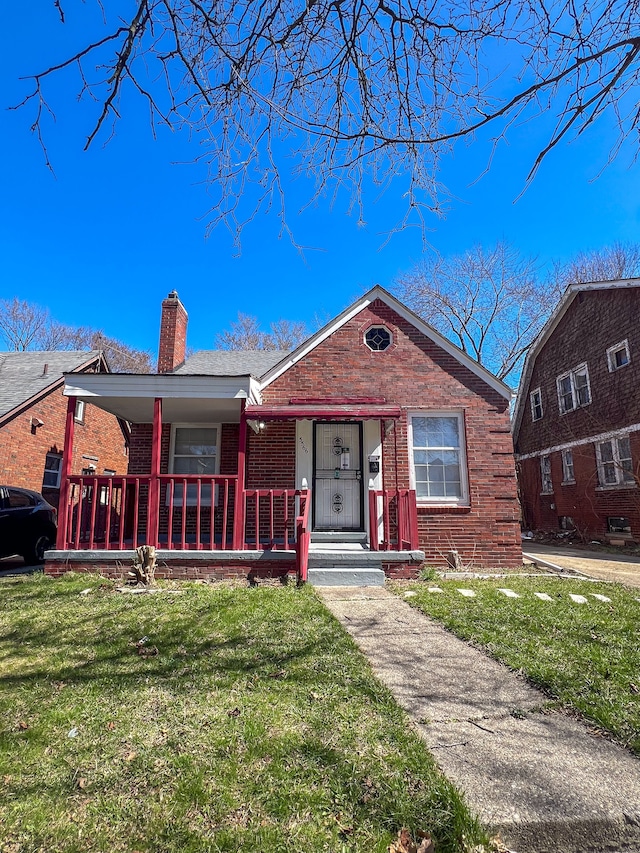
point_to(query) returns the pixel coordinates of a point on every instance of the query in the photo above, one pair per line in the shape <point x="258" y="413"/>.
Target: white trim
<point x="304" y="452"/>
<point x="57" y="471"/>
<point x="549" y="327"/>
<point x="568" y="445"/>
<point x="463" y="500"/>
<point x="614" y="349"/>
<point x="380" y="293"/>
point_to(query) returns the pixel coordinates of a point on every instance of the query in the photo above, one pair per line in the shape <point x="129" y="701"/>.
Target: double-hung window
<point x="438" y="466"/>
<point x="52" y="471"/>
<point x="568" y="474"/>
<point x="194" y="453"/>
<point x="536" y="404"/>
<point x="574" y="389"/>
<point x="615" y="466"/>
<point x="545" y="472"/>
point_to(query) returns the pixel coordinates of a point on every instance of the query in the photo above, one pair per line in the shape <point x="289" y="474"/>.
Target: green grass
<point x="586" y="656"/>
<point x="257" y="726"/>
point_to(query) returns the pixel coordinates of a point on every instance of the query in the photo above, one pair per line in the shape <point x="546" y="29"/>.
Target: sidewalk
<point x="596" y="564"/>
<point x="543" y="781"/>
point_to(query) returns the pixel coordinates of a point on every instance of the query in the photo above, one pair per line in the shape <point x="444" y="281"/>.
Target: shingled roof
<point x="231" y="362"/>
<point x="25" y="375"/>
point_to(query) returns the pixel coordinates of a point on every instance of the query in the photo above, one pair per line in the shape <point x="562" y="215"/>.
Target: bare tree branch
<point x="341" y="90"/>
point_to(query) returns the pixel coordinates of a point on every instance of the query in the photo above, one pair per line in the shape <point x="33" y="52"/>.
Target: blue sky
<point x="118" y="227"/>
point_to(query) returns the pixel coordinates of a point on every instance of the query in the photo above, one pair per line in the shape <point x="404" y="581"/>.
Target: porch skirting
<point x="230" y="565"/>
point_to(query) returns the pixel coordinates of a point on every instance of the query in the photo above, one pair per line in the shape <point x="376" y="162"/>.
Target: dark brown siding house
<point x="577" y="417"/>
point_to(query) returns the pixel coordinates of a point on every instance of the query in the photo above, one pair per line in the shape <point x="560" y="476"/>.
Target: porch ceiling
<point x="185" y="399"/>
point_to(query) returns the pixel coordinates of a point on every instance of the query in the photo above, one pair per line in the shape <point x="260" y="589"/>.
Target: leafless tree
<point x="621" y="260"/>
<point x="490" y="302"/>
<point x="246" y="334"/>
<point x="25" y="326"/>
<point x="21" y="323"/>
<point x="337" y="90"/>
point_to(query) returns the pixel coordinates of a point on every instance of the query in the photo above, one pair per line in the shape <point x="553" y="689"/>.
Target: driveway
<point x="15" y="566"/>
<point x="595" y="564"/>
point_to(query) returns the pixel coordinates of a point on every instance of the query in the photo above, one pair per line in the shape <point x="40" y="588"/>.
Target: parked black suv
<point x="27" y="524"/>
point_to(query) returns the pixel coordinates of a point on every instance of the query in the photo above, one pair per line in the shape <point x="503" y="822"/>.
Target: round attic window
<point x="377" y="338"/>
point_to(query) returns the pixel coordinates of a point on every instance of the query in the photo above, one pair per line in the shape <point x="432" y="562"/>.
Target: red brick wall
<point x="595" y="321"/>
<point x="588" y="505"/>
<point x="23" y="454"/>
<point x="173" y="334"/>
<point x="414" y="373"/>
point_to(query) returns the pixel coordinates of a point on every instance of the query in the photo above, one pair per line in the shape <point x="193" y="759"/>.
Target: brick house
<point x="376" y="443"/>
<point x="577" y="416"/>
<point x="33" y="415"/>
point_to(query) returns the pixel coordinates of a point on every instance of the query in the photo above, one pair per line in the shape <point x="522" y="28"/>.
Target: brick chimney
<point x="173" y="334"/>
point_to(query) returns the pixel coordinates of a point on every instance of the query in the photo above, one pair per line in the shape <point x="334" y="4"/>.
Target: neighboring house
<point x="33" y="413"/>
<point x="577" y="417"/>
<point x="375" y="435"/>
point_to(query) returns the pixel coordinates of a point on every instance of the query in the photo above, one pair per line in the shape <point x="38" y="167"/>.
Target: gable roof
<point x="231" y="362"/>
<point x="566" y="300"/>
<point x="383" y="295"/>
<point x="25" y="376"/>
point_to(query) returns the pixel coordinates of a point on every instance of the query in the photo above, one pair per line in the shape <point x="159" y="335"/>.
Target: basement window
<point x="618" y="524"/>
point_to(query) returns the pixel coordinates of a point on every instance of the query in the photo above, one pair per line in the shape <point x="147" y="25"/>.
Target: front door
<point x="338" y="487"/>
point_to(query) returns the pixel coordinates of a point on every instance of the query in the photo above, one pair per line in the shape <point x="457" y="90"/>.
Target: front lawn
<point x="215" y="719"/>
<point x="585" y="655"/>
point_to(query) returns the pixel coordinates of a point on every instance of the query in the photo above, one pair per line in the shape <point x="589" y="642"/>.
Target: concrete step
<point x="351" y="576"/>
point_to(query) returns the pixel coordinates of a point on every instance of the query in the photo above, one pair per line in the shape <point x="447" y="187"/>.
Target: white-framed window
<point x="79" y="412"/>
<point x="618" y="356"/>
<point x="536" y="404"/>
<point x="52" y="471"/>
<point x="194" y="451"/>
<point x="574" y="389"/>
<point x="545" y="472"/>
<point x="378" y="338"/>
<point x="438" y="464"/>
<point x="568" y="474"/>
<point x="615" y="466"/>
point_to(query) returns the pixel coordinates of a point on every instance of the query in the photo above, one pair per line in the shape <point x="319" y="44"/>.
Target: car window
<point x="18" y="499"/>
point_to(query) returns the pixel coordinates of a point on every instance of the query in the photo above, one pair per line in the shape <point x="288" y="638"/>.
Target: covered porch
<point x="209" y="517"/>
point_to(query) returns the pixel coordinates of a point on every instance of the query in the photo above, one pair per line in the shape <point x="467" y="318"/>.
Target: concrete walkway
<point x="543" y="781"/>
<point x="618" y="568"/>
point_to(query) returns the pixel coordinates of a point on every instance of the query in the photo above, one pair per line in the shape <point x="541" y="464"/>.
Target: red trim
<point x="239" y="506"/>
<point x="67" y="460"/>
<point x="323" y="413"/>
<point x="153" y="517"/>
<point x="337" y="401"/>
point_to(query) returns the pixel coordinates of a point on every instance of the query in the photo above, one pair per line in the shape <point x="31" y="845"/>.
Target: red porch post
<point x="153" y="511"/>
<point x="67" y="461"/>
<point x="238" y="517"/>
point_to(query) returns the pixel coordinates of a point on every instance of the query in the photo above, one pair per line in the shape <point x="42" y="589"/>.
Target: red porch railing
<point x="393" y="520"/>
<point x="184" y="513"/>
<point x="303" y="537"/>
